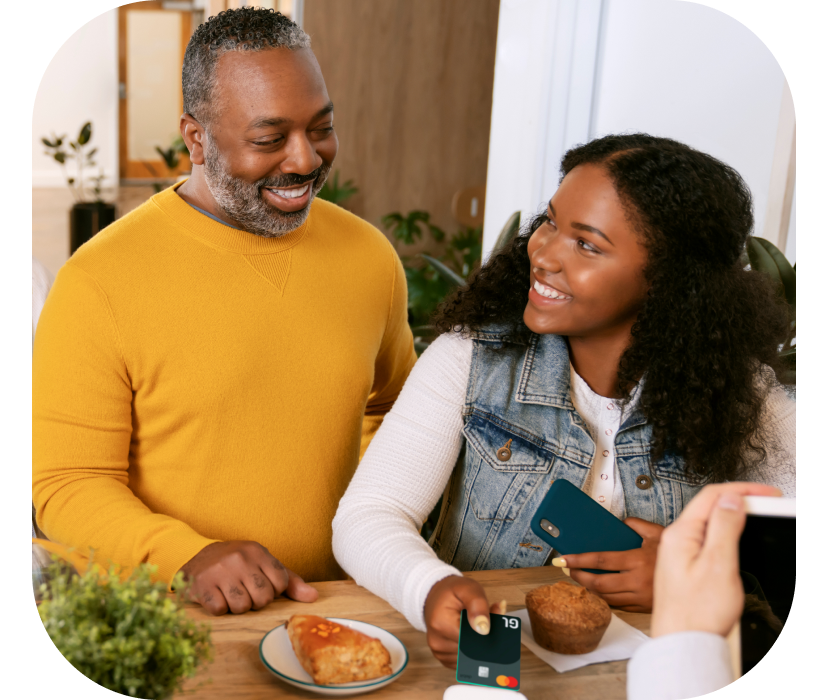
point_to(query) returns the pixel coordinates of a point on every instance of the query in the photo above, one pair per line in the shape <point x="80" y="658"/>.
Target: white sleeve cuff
<point x="419" y="586"/>
<point x="678" y="666"/>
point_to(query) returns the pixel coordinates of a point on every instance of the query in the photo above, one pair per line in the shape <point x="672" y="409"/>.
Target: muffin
<point x="566" y="618"/>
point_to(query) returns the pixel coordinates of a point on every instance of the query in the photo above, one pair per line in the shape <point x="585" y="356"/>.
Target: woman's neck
<point x="596" y="360"/>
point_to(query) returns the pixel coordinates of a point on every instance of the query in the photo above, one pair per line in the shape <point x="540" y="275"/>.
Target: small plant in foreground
<point x="127" y="635"/>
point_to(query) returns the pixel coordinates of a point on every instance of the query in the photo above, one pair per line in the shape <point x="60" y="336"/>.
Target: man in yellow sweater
<point x="209" y="369"/>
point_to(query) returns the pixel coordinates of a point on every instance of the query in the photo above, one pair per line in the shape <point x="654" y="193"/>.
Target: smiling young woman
<point x="586" y="278"/>
<point x="617" y="343"/>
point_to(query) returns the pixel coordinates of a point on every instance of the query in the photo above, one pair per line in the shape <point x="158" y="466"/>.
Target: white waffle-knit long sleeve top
<point x="406" y="467"/>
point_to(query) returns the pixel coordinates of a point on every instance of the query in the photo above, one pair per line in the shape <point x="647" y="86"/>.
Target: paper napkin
<point x="619" y="642"/>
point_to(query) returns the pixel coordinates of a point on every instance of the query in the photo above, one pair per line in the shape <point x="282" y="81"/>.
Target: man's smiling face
<point x="270" y="146"/>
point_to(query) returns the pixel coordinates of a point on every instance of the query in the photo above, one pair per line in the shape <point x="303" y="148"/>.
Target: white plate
<point x="276" y="653"/>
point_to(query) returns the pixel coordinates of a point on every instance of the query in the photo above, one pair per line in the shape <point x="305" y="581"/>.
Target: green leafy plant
<point x="79" y="183"/>
<point x="408" y="228"/>
<point x="333" y="191"/>
<point x="172" y="158"/>
<point x="430" y="279"/>
<point x="126" y="635"/>
<point x="766" y="258"/>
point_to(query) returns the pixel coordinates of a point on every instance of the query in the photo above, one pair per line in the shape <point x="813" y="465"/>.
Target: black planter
<point x="86" y="219"/>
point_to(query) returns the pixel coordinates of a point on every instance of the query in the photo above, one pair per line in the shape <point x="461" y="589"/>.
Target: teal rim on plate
<point x="334" y="686"/>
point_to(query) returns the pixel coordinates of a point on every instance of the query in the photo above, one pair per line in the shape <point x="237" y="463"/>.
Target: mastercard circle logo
<point x="507" y="681"/>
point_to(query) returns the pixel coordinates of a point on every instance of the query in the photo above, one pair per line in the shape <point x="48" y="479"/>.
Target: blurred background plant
<point x="431" y="277"/>
<point x="333" y="191"/>
<point x="127" y="635"/>
<point x="172" y="159"/>
<point x="79" y="183"/>
<point x="766" y="258"/>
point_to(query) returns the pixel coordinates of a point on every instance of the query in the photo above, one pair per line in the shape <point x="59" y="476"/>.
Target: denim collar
<point x="544" y="375"/>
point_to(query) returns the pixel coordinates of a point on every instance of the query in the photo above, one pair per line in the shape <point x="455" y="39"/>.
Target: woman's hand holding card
<point x="631" y="589"/>
<point x="443" y="606"/>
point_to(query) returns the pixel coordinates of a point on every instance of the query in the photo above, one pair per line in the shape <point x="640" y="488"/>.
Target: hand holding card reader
<point x="493" y="659"/>
<point x="571" y="522"/>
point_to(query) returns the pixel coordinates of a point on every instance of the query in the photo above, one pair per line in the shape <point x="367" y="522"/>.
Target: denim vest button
<point x="504" y="453"/>
<point x="643" y="482"/>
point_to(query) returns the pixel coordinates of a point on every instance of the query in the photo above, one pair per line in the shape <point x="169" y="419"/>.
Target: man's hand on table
<point x="238" y="575"/>
<point x="445" y="601"/>
<point x="631" y="589"/>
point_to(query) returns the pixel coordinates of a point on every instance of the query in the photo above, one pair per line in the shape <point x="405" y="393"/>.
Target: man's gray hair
<point x="245" y="29"/>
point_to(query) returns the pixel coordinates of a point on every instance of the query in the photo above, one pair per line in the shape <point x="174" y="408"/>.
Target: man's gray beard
<point x="242" y="201"/>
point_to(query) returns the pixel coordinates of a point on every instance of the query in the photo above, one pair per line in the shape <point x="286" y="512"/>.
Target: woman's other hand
<point x="443" y="606"/>
<point x="632" y="588"/>
<point x="697" y="582"/>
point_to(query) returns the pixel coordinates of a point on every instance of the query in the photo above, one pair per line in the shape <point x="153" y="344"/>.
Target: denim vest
<point x="522" y="394"/>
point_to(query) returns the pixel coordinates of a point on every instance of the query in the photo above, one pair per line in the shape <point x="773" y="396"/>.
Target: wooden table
<point x="237" y="671"/>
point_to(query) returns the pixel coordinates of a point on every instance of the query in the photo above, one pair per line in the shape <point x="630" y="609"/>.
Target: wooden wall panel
<point x="411" y="82"/>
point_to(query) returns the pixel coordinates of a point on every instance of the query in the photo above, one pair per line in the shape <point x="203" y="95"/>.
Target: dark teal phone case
<point x="583" y="524"/>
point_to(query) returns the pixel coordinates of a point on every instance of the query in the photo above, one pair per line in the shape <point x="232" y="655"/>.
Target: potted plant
<point x="127" y="635"/>
<point x="172" y="160"/>
<point x="90" y="213"/>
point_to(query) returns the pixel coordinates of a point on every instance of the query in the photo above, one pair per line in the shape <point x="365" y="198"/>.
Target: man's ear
<point x="193" y="134"/>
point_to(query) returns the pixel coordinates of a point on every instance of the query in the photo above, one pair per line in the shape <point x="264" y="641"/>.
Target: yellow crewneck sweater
<point x="195" y="383"/>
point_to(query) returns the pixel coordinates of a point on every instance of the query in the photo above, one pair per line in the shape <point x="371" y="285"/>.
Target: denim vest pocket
<point x="488" y="435"/>
<point x="502" y="483"/>
<point x="673" y="468"/>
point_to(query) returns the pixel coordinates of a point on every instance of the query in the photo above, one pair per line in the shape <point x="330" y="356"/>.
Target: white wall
<point x="696" y="75"/>
<point x="570" y="70"/>
<point x="80" y="84"/>
<point x="809" y="83"/>
<point x="523" y="59"/>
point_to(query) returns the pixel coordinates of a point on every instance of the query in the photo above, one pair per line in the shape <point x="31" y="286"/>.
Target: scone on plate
<point x="566" y="618"/>
<point x="334" y="653"/>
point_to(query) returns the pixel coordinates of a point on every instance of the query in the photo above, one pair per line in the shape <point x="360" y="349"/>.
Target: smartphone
<point x="571" y="522"/>
<point x="769" y="535"/>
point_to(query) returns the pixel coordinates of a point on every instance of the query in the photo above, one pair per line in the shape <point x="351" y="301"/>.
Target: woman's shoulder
<point x="780" y="399"/>
<point x="438" y="380"/>
<point x="501" y="332"/>
<point x="451" y="346"/>
<point x="459" y="344"/>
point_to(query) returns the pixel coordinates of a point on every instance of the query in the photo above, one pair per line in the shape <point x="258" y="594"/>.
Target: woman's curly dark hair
<point x="708" y="335"/>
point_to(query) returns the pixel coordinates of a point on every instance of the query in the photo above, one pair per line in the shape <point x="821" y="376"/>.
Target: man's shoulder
<point x="131" y="227"/>
<point x="129" y="241"/>
<point x="333" y="219"/>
